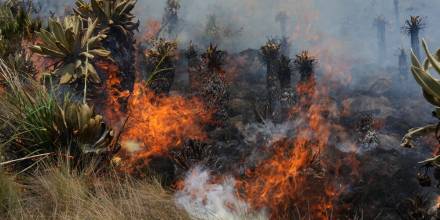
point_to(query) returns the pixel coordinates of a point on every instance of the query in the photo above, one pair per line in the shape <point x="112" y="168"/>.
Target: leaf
<point x="53" y="53"/>
<point x="47" y="38"/>
<point x="36" y="49"/>
<point x="431" y="58"/>
<point x="58" y="31"/>
<point x="98" y="10"/>
<point x="88" y="55"/>
<point x="66" y="78"/>
<point x="93" y="75"/>
<point x="100" y="52"/>
<point x="91" y="27"/>
<point x="431" y="99"/>
<point x="428" y="83"/>
<point x="84" y="114"/>
<point x="62" y="48"/>
<point x="415" y="62"/>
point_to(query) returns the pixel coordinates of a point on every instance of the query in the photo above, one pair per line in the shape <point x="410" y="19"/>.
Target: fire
<point x="153" y="27"/>
<point x="158" y="124"/>
<point x="113" y="109"/>
<point x="298" y="180"/>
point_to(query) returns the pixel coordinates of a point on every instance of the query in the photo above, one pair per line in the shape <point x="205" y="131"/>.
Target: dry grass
<point x="9" y="195"/>
<point x="57" y="193"/>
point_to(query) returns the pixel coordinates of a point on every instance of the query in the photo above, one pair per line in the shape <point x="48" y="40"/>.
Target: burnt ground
<point x="387" y="172"/>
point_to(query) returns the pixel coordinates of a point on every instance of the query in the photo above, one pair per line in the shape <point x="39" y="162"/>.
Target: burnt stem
<point x="271" y="54"/>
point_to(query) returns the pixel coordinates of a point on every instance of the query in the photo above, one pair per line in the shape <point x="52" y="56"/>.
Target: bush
<point x="35" y="121"/>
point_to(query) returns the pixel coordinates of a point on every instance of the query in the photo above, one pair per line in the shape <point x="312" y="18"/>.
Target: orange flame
<point x="153" y="27"/>
<point x="295" y="179"/>
<point x="114" y="95"/>
<point x="158" y="124"/>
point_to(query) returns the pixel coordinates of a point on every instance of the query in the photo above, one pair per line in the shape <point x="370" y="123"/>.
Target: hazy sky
<point x="346" y="23"/>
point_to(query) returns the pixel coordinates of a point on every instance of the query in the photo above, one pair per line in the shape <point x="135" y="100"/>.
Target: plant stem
<point x="86" y="75"/>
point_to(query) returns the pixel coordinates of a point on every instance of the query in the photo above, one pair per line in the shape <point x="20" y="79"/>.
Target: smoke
<point x="267" y="133"/>
<point x="308" y="21"/>
<point x="203" y="198"/>
<point x="342" y="36"/>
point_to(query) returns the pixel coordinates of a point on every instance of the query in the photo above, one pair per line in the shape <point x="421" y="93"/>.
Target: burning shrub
<point x="159" y="124"/>
<point x="115" y="19"/>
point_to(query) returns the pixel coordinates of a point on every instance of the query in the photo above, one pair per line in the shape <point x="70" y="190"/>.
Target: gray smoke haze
<point x="344" y="29"/>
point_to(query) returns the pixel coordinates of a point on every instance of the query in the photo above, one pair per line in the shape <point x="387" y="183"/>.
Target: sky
<point x="345" y="26"/>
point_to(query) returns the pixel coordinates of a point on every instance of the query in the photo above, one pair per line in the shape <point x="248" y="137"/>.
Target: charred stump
<point x="305" y="64"/>
<point x="271" y="55"/>
<point x="194" y="68"/>
<point x="213" y="88"/>
<point x="412" y="27"/>
<point x="287" y="98"/>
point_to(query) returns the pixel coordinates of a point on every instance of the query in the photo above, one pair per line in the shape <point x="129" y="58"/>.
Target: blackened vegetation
<point x="213" y="89"/>
<point x="416" y="209"/>
<point x="207" y="79"/>
<point x="285" y="46"/>
<point x="366" y="133"/>
<point x="412" y="27"/>
<point x="161" y="65"/>
<point x="288" y="93"/>
<point x="271" y="54"/>
<point x="194" y="67"/>
<point x="304" y="64"/>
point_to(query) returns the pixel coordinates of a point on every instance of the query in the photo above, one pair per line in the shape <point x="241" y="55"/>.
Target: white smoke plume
<point x="204" y="199"/>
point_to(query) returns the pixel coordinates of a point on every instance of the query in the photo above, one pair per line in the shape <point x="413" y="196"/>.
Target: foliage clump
<point x="73" y="46"/>
<point x="113" y="16"/>
<point x="36" y="121"/>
